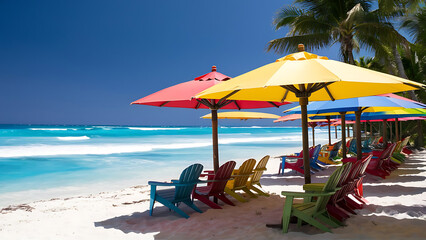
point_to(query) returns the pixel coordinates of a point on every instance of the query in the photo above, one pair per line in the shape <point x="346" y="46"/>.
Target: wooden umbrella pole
<point x="365" y="129"/>
<point x="396" y="130"/>
<point x="329" y="130"/>
<point x="335" y="130"/>
<point x="347" y="129"/>
<point x="303" y="101"/>
<point x="342" y="118"/>
<point x="215" y="140"/>
<point x="385" y="137"/>
<point x="358" y="134"/>
<point x="371" y="129"/>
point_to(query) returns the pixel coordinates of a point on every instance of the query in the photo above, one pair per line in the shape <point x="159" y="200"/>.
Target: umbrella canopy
<point x="183" y="95"/>
<point x="242" y="115"/>
<point x="305" y="76"/>
<point x="357" y="106"/>
<point x="366" y="104"/>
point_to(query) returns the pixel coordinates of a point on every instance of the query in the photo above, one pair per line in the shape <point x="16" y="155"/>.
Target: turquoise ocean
<point x="38" y="162"/>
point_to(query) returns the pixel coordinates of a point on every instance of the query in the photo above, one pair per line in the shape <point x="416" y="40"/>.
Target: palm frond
<point x="289" y="44"/>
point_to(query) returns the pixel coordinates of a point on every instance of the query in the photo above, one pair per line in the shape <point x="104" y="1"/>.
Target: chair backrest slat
<point x="189" y="175"/>
<point x="258" y="171"/>
<point x="330" y="186"/>
<point x="222" y="175"/>
<point x="245" y="169"/>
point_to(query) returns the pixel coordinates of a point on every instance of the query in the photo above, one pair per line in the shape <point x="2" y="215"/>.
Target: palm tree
<point x="321" y="23"/>
<point x="370" y="63"/>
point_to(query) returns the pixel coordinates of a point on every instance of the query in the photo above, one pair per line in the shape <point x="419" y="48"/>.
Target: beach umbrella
<point x="357" y="105"/>
<point x="305" y="76"/>
<point x="311" y="122"/>
<point x="183" y="95"/>
<point x="242" y="115"/>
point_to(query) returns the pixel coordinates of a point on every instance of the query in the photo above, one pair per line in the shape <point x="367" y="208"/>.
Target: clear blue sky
<point x="83" y="62"/>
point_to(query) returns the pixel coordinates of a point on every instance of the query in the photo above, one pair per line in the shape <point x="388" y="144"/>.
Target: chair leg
<point x="151" y="206"/>
<point x="246" y="190"/>
<point x="205" y="199"/>
<point x="234" y="195"/>
<point x="314" y="223"/>
<point x="326" y="219"/>
<point x="287" y="213"/>
<point x="192" y="205"/>
<point x="222" y="197"/>
<point x="260" y="192"/>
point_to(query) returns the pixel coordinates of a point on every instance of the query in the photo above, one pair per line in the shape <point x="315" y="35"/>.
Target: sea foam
<point x="106" y="149"/>
<point x="73" y="138"/>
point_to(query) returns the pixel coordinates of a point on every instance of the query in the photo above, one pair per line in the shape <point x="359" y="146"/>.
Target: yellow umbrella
<point x="242" y="115"/>
<point x="305" y="76"/>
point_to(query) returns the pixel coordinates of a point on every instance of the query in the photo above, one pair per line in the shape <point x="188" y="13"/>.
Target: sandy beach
<point x="396" y="210"/>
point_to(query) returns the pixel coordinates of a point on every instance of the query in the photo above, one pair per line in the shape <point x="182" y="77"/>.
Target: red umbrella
<point x="183" y="96"/>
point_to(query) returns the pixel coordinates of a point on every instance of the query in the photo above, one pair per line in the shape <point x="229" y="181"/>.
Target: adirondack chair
<point x="257" y="174"/>
<point x="216" y="186"/>
<point x="315" y="165"/>
<point x="298" y="164"/>
<point x="284" y="157"/>
<point x="333" y="209"/>
<point x="353" y="187"/>
<point x="378" y="164"/>
<point x="311" y="212"/>
<point x="398" y="156"/>
<point x="239" y="181"/>
<point x="327" y="156"/>
<point x="181" y="193"/>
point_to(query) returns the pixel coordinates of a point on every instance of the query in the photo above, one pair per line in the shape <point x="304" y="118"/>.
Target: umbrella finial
<point x="214" y="68"/>
<point x="301" y="47"/>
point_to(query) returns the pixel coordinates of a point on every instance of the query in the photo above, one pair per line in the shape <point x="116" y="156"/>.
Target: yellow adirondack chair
<point x="257" y="174"/>
<point x="239" y="181"/>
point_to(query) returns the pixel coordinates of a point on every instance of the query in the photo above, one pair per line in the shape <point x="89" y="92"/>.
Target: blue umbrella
<point x="356" y="105"/>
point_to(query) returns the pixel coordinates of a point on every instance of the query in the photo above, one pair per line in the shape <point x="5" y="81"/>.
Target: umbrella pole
<point x="329" y="131"/>
<point x="365" y="129"/>
<point x="396" y="130"/>
<point x="313" y="136"/>
<point x="342" y="118"/>
<point x="347" y="129"/>
<point x="385" y="137"/>
<point x="215" y="141"/>
<point x="358" y="134"/>
<point x="371" y="129"/>
<point x="303" y="101"/>
<point x="335" y="130"/>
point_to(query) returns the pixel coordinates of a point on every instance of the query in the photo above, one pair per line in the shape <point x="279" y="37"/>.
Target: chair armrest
<point x="241" y="175"/>
<point x="171" y="184"/>
<point x="314" y="187"/>
<point x="303" y="194"/>
<point x="259" y="169"/>
<point x="206" y="174"/>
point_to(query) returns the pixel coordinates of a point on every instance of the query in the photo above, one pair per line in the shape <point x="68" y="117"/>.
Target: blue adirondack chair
<point x="314" y="159"/>
<point x="181" y="192"/>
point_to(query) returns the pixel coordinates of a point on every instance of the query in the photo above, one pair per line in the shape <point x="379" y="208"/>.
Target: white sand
<point x="396" y="210"/>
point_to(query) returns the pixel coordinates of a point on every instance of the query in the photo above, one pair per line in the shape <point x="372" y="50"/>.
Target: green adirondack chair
<point x="239" y="181"/>
<point x="397" y="155"/>
<point x="257" y="174"/>
<point x="311" y="212"/>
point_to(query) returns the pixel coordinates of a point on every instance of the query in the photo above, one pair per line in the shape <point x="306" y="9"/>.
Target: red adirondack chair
<point x="216" y="186"/>
<point x="297" y="165"/>
<point x="378" y="166"/>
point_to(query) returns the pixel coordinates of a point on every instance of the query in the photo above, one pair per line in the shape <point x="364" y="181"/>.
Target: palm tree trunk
<point x="401" y="70"/>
